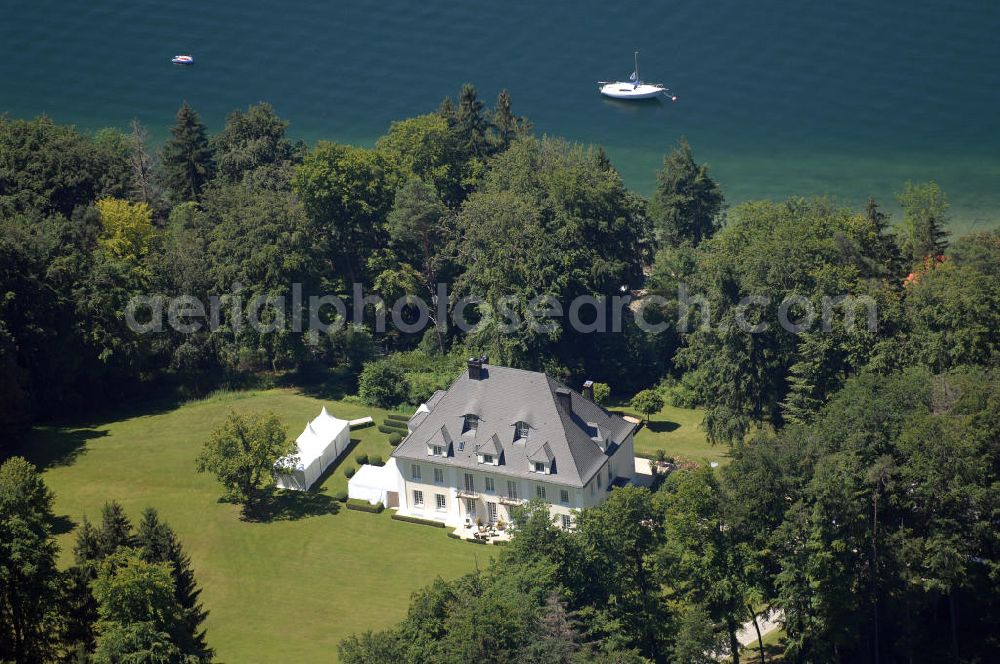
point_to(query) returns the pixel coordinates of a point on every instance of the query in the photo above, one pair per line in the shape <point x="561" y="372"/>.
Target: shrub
<point x="362" y="459"/>
<point x="383" y="384"/>
<point x="395" y="425"/>
<point x="388" y="428"/>
<point x="376" y="461"/>
<point x="423" y="522"/>
<point x="349" y="473"/>
<point x="601" y="393"/>
<point x="395" y="439"/>
<point x="364" y="506"/>
<point x="340" y="496"/>
<point x="397" y="417"/>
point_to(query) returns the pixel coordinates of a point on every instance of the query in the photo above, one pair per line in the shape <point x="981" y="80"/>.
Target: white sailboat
<point x="634" y="88"/>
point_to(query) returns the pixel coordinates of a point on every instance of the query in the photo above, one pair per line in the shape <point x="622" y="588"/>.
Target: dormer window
<point x="471" y="423"/>
<point x="539" y="467"/>
<point x="487" y="458"/>
<point x="521" y="432"/>
<point x="437" y="450"/>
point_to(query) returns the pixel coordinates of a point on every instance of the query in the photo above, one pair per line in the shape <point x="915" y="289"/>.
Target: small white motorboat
<point x="634" y="88"/>
<point x="182" y="60"/>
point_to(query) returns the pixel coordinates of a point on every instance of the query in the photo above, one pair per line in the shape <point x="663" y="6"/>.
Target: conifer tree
<point x="507" y="125"/>
<point x="159" y="544"/>
<point x="187" y="157"/>
<point x="925" y="218"/>
<point x="687" y="203"/>
<point x="473" y="124"/>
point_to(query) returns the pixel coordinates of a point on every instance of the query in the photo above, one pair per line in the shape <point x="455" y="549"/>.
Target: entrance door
<point x="470" y="508"/>
<point x="491" y="512"/>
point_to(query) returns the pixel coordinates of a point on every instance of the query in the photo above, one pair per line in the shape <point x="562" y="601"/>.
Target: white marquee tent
<point x="375" y="483"/>
<point x="320" y="444"/>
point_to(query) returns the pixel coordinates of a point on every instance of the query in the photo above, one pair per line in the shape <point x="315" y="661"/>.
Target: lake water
<point x="780" y="97"/>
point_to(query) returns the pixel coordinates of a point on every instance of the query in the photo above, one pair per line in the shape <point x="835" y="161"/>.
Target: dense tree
<point x="28" y="576"/>
<point x="687" y="203"/>
<point x="383" y="384"/>
<point x="761" y="311"/>
<point x="925" y="218"/>
<point x="187" y="162"/>
<point x="139" y="616"/>
<point x="252" y="140"/>
<point x="427" y="147"/>
<point x="242" y="453"/>
<point x="551" y="220"/>
<point x="602" y="391"/>
<point x="647" y="402"/>
<point x="53" y="169"/>
<point x="347" y="193"/>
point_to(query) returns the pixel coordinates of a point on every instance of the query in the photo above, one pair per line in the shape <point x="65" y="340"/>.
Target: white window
<point x="440" y="501"/>
<point x="539" y="467"/>
<point x="470" y="482"/>
<point x="415" y="471"/>
<point x="566" y="522"/>
<point x="470" y="507"/>
<point x="471" y="423"/>
<point x="540" y="491"/>
<point x="521" y="430"/>
<point x="438" y="476"/>
<point x="487" y="458"/>
<point x="489" y="484"/>
<point x="491" y="512"/>
<point x="418" y="498"/>
<point x="512" y="489"/>
<point x="564" y="496"/>
<point x="437" y="450"/>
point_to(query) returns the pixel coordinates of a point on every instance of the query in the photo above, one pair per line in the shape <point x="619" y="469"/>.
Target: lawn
<point x="676" y="431"/>
<point x="286" y="589"/>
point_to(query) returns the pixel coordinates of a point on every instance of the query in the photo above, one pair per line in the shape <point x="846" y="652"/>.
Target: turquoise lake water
<point x="780" y="97"/>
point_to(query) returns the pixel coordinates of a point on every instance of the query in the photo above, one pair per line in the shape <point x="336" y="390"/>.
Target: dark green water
<point x="780" y="96"/>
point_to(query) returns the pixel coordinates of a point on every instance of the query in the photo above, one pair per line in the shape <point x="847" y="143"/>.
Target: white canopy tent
<point x="320" y="444"/>
<point x="374" y="483"/>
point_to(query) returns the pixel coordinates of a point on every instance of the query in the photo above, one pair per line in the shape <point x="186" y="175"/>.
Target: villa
<point x="500" y="436"/>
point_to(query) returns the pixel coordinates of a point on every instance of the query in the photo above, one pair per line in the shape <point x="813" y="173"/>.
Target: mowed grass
<point x="287" y="589"/>
<point x="676" y="431"/>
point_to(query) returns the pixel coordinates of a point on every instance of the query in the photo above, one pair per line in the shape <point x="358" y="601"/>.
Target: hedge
<point x="376" y="460"/>
<point x="349" y="473"/>
<point x="340" y="496"/>
<point x="423" y="522"/>
<point x="395" y="439"/>
<point x="364" y="506"/>
<point x="399" y="418"/>
<point x="362" y="459"/>
<point x="393" y="424"/>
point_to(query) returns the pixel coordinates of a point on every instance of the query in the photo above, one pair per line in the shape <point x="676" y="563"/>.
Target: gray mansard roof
<point x="575" y="444"/>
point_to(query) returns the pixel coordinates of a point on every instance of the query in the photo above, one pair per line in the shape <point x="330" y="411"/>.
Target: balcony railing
<point x="467" y="493"/>
<point x="508" y="500"/>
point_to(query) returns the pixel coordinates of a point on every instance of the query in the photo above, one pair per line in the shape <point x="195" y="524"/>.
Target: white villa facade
<point x="501" y="436"/>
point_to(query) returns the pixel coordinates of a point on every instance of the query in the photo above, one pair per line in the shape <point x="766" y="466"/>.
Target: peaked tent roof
<point x="317" y="435"/>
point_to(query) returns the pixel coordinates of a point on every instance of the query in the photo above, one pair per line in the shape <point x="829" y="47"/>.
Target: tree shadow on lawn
<point x="665" y="426"/>
<point x="329" y="385"/>
<point x="48" y="446"/>
<point x="282" y="505"/>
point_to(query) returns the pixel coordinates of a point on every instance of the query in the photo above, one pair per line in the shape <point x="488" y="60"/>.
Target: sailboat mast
<point x="637" y="77"/>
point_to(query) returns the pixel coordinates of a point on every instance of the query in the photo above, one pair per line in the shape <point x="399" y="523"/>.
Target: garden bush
<point x="423" y="522"/>
<point x="395" y="439"/>
<point x="376" y="460"/>
<point x="340" y="496"/>
<point x="364" y="506"/>
<point x="362" y="459"/>
<point x="349" y="473"/>
<point x="397" y="417"/>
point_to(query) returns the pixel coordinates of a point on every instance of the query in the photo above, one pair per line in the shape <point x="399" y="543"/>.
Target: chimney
<point x="565" y="399"/>
<point x="588" y="389"/>
<point x="475" y="368"/>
